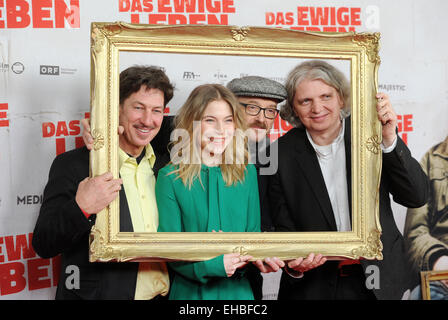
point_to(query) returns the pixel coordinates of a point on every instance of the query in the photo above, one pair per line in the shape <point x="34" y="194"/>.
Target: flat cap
<point x="255" y="86"/>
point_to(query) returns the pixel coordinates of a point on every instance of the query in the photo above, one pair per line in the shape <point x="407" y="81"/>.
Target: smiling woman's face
<point x="217" y="127"/>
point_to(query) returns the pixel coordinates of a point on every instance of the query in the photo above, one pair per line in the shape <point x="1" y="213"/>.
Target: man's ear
<point x="120" y="110"/>
<point x="341" y="102"/>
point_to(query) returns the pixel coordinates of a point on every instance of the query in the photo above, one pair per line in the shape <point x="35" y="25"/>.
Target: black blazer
<point x="300" y="202"/>
<point x="263" y="189"/>
<point x="62" y="228"/>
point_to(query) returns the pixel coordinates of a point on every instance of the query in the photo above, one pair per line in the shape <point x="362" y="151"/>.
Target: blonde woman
<point x="209" y="186"/>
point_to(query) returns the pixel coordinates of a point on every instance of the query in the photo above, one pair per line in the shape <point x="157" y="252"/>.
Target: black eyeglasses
<point x="254" y="110"/>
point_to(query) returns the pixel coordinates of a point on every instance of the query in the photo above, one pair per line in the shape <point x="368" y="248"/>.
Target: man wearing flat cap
<point x="259" y="97"/>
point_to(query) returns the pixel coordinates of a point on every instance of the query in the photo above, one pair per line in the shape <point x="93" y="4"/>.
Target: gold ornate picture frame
<point x="361" y="50"/>
<point x="426" y="277"/>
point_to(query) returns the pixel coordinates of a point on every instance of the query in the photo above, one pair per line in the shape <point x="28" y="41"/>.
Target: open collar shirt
<point x="332" y="162"/>
<point x="139" y="185"/>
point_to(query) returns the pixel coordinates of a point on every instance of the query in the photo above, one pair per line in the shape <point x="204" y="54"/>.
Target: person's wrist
<point x="87" y="215"/>
<point x="82" y="208"/>
<point x="389" y="148"/>
<point x="389" y="141"/>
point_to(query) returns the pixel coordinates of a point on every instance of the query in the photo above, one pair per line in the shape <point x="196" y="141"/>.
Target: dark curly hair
<point x="152" y="77"/>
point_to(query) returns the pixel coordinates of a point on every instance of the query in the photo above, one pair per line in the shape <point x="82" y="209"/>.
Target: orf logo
<point x="49" y="70"/>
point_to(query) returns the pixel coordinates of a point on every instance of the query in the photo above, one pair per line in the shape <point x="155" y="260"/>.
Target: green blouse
<point x="204" y="208"/>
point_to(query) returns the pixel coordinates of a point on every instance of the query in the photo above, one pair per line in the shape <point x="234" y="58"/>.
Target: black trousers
<point x="351" y="284"/>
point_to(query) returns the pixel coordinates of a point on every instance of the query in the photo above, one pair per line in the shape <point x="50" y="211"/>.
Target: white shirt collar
<point x="332" y="163"/>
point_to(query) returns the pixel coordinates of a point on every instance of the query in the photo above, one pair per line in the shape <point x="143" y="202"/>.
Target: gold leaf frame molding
<point x="426" y="277"/>
<point x="361" y="50"/>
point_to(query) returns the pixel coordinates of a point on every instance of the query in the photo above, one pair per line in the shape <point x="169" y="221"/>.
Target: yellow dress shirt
<point x="139" y="185"/>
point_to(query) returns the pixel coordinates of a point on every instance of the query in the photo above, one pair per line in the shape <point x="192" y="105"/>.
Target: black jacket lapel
<point x="161" y="161"/>
<point x="348" y="162"/>
<point x="125" y="214"/>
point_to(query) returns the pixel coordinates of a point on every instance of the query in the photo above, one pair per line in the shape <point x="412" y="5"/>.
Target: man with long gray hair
<point x="312" y="187"/>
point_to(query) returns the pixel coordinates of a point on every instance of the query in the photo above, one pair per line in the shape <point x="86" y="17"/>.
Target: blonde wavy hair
<point x="186" y="156"/>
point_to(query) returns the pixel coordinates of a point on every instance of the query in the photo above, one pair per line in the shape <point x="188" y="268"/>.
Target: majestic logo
<point x="392" y="87"/>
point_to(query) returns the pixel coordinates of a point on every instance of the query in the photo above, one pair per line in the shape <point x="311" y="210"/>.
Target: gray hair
<point x="314" y="70"/>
